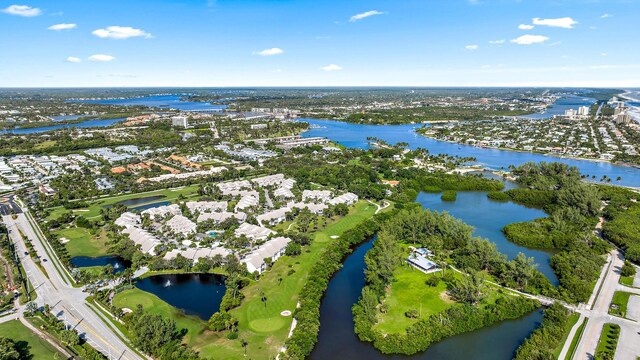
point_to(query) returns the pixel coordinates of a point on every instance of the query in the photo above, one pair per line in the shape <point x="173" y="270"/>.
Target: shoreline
<point x="536" y="152"/>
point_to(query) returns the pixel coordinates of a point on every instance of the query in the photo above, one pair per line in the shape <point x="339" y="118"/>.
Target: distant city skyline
<point x="225" y="43"/>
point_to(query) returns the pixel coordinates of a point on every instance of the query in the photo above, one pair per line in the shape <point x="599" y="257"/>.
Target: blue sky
<point x="320" y="43"/>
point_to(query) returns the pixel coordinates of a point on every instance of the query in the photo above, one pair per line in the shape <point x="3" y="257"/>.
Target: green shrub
<point x="449" y="195"/>
<point x="498" y="196"/>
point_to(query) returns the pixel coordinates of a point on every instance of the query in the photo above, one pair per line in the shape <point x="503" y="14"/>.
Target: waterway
<point x="194" y="294"/>
<point x="93" y="123"/>
<point x="119" y="264"/>
<point x="172" y="101"/>
<point x="337" y="339"/>
<point x="561" y="105"/>
<point x="355" y="136"/>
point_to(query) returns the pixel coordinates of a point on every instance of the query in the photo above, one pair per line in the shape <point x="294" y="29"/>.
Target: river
<point x="84" y="124"/>
<point x="171" y="101"/>
<point x="337" y="339"/>
<point x="355" y="136"/>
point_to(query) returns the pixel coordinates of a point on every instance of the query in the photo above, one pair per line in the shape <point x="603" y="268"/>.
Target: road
<point x="67" y="302"/>
<point x="629" y="342"/>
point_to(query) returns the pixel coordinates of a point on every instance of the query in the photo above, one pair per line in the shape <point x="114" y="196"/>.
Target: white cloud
<point x="471" y="47"/>
<point x="604" y="54"/>
<point x="497" y="42"/>
<point x="120" y="32"/>
<point x="58" y="27"/>
<point x="73" y="59"/>
<point x="22" y="10"/>
<point x="525" y="27"/>
<point x="269" y="52"/>
<point x="565" y="22"/>
<point x="331" y="67"/>
<point x="605" y="16"/>
<point x="101" y="57"/>
<point x="366" y="14"/>
<point x="529" y="39"/>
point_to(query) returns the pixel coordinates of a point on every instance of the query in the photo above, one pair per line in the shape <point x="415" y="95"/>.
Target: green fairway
<point x="93" y="211"/>
<point x="83" y="243"/>
<point x="263" y="327"/>
<point x="131" y="298"/>
<point x="38" y="348"/>
<point x="409" y="291"/>
<point x="260" y="324"/>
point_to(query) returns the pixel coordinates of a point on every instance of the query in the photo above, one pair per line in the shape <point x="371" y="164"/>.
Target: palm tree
<point x="244" y="346"/>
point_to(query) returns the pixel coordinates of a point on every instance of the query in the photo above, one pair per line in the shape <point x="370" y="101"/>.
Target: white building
<point x="273" y="249"/>
<point x="348" y="199"/>
<point x="180" y="121"/>
<point x="181" y="225"/>
<point x="254" y="232"/>
<point x="274" y="217"/>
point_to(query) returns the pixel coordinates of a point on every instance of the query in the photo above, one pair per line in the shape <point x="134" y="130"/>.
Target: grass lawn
<point x="131" y="298"/>
<point x="573" y="319"/>
<point x="93" y="210"/>
<point x="608" y="340"/>
<point x="262" y="326"/>
<point x="38" y="348"/>
<point x="620" y="299"/>
<point x="408" y="291"/>
<point x="83" y="243"/>
<point x="627" y="280"/>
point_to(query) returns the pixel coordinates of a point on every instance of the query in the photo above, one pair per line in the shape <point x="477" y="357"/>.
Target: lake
<point x="355" y="136"/>
<point x="119" y="264"/>
<point x="337" y="339"/>
<point x="84" y="124"/>
<point x="171" y="101"/>
<point x="561" y="105"/>
<point x="488" y="217"/>
<point x="194" y="294"/>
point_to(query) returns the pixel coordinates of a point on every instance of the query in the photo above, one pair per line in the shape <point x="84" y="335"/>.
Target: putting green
<point x="267" y="325"/>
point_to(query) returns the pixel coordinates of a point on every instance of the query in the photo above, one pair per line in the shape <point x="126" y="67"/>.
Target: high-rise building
<point x="180" y="121"/>
<point x="583" y="110"/>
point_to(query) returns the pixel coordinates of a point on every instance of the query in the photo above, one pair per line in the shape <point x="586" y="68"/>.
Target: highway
<point x="67" y="302"/>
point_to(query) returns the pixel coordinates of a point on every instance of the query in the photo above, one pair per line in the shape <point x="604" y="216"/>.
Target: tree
<point x="469" y="289"/>
<point x="244" y="344"/>
<point x="9" y="349"/>
<point x="31" y="308"/>
<point x="69" y="337"/>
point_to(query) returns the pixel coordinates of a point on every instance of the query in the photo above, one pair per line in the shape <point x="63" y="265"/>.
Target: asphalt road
<point x="629" y="342"/>
<point x="67" y="303"/>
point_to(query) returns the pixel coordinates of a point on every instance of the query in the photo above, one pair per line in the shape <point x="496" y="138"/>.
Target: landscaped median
<point x="608" y="341"/>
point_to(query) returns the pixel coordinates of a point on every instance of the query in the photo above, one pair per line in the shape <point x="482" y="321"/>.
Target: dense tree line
<point x="451" y="241"/>
<point x="573" y="207"/>
<point x="542" y="343"/>
<point x="305" y="335"/>
<point x="157" y="336"/>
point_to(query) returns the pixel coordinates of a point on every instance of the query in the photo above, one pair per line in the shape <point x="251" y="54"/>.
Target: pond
<point x="337" y="339"/>
<point x="149" y="206"/>
<point x="136" y="201"/>
<point x="194" y="294"/>
<point x="119" y="264"/>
